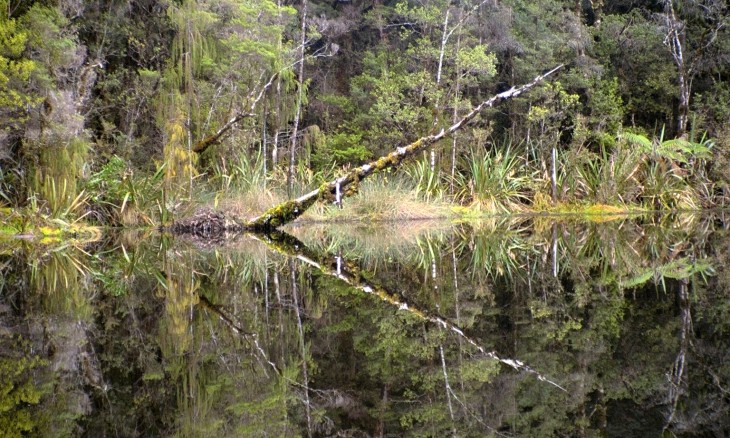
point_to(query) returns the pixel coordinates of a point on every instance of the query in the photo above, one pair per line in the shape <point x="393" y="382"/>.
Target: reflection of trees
<point x="243" y="341"/>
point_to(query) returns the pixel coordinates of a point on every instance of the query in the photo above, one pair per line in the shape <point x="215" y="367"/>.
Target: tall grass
<point x="426" y="179"/>
<point x="56" y="175"/>
<point x="241" y="185"/>
<point x="673" y="170"/>
<point x="611" y="177"/>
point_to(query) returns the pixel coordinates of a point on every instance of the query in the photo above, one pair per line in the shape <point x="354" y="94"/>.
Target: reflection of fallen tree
<point x="350" y="274"/>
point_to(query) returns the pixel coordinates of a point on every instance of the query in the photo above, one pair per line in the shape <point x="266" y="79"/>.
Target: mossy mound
<point x="207" y="224"/>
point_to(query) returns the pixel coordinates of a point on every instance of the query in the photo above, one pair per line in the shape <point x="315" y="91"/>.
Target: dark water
<point x="520" y="327"/>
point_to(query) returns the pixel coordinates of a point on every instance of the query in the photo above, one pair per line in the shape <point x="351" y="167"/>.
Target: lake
<point x="516" y="327"/>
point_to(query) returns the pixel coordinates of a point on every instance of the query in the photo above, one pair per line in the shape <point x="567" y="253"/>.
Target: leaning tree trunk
<point x="214" y="225"/>
<point x="346" y="185"/>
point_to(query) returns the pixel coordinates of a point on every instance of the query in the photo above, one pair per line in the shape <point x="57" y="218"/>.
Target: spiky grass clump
<point x="425" y="178"/>
<point x="493" y="182"/>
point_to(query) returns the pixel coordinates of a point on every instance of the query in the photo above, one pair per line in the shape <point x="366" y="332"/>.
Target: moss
<point x="381" y="164"/>
<point x="7" y="230"/>
<point x="48" y="231"/>
<point x="325" y="193"/>
<point x="281" y="214"/>
<point x="604" y="209"/>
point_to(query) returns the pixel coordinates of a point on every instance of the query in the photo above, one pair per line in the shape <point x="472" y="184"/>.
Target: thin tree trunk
<point x="453" y="120"/>
<point x="447" y="389"/>
<point x="264" y="151"/>
<point x="302" y="345"/>
<point x="292" y="209"/>
<point x="675" y="41"/>
<point x="554" y="173"/>
<point x="300" y="96"/>
<point x="444" y="39"/>
<point x="275" y="144"/>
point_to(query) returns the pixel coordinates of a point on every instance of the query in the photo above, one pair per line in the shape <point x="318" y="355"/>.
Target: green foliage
<point x="427" y="179"/>
<point x="613" y="177"/>
<point x="15" y="68"/>
<point x="606" y="106"/>
<point x="341" y="149"/>
<point x="476" y="61"/>
<point x="147" y="83"/>
<point x="628" y="44"/>
<point x="57" y="174"/>
<point x="54" y="43"/>
<point x="677" y="149"/>
<point x="247" y="174"/>
<point x="265" y="22"/>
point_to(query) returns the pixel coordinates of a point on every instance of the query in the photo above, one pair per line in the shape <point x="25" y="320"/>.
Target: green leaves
<point x="677" y="149"/>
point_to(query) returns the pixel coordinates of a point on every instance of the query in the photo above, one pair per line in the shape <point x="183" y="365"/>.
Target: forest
<point x="138" y="112"/>
<point x="568" y="161"/>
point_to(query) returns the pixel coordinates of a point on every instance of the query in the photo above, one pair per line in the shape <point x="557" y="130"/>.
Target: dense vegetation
<point x="123" y="112"/>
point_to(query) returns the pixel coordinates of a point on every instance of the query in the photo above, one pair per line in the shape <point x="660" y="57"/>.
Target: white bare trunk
<point x="675" y="41"/>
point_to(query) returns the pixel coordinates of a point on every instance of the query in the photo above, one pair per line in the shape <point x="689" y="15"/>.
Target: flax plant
<point x="498" y="252"/>
<point x="670" y="167"/>
<point x="613" y="177"/>
<point x="119" y="197"/>
<point x="493" y="181"/>
<point x="56" y="175"/>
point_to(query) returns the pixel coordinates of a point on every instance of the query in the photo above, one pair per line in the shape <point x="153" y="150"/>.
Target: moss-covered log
<point x="334" y="190"/>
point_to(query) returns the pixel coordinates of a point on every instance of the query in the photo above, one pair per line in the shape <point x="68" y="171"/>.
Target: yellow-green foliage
<point x="18" y="392"/>
<point x="15" y="69"/>
<point x="56" y="174"/>
<point x="179" y="158"/>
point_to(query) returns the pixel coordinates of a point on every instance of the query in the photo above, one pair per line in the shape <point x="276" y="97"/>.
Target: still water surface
<point x="522" y="327"/>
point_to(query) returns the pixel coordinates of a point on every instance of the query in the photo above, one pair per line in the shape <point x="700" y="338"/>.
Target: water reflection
<point x="415" y="329"/>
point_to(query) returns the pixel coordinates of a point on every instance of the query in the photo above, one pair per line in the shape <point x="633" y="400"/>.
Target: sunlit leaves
<point x="15" y="69"/>
<point x="477" y="61"/>
<point x="18" y="393"/>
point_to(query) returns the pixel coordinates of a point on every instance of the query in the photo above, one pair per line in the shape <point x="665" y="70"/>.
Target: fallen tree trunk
<point x="341" y="187"/>
<point x="207" y="224"/>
